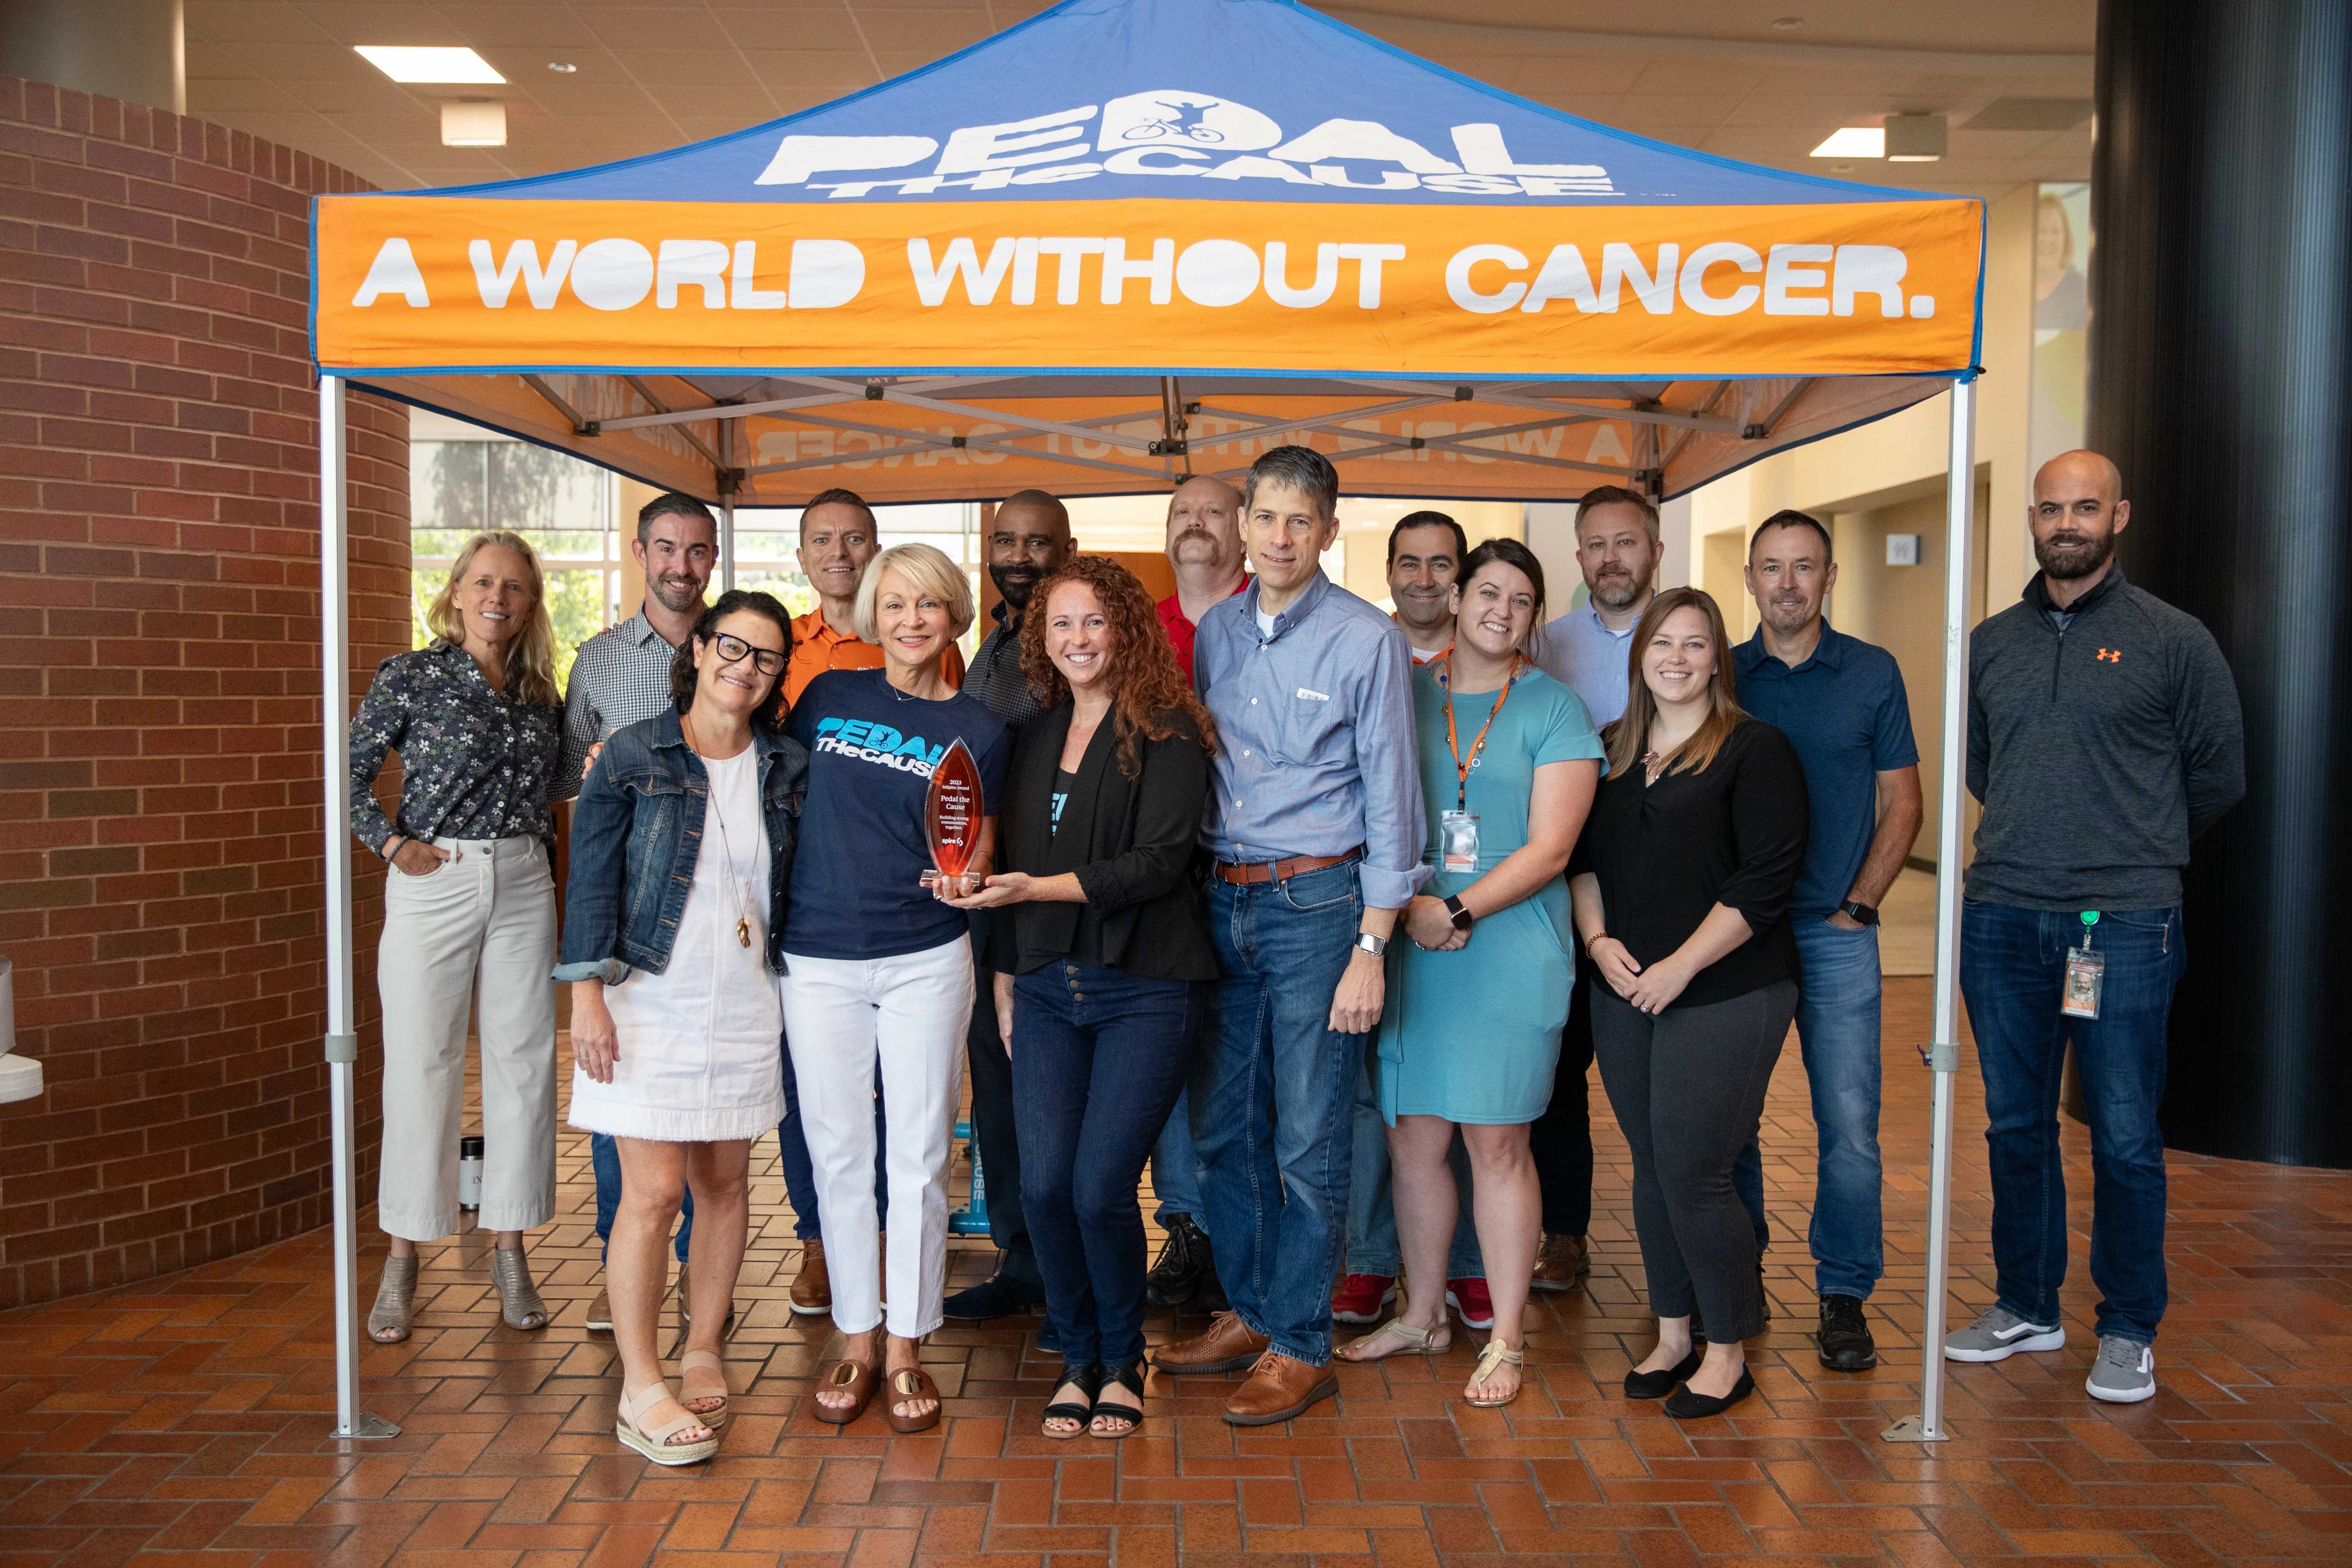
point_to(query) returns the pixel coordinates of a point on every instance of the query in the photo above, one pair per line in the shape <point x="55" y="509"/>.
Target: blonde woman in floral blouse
<point x="468" y="917"/>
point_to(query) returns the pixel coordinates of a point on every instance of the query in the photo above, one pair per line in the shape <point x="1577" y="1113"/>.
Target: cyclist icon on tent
<point x="1186" y="120"/>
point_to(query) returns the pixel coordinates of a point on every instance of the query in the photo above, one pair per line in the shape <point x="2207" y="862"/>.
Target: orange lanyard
<point x="1453" y="737"/>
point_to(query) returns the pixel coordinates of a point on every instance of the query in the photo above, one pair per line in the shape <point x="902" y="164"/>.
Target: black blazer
<point x="1130" y="842"/>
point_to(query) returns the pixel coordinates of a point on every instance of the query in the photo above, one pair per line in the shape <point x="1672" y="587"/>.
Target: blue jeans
<point x="1371" y="1207"/>
<point x="1837" y="1026"/>
<point x="1176" y="1167"/>
<point x="1100" y="1057"/>
<point x="1272" y="1097"/>
<point x="604" y="1159"/>
<point x="2013" y="976"/>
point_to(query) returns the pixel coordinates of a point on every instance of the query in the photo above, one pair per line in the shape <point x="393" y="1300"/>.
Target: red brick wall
<point x="160" y="873"/>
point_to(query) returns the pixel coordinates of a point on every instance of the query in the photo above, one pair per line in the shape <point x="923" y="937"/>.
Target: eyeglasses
<point x="734" y="650"/>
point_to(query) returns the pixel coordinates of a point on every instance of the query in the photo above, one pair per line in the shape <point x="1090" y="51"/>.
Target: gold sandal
<point x="1497" y="1353"/>
<point x="698" y="1372"/>
<point x="656" y="1443"/>
<point x="1426" y="1341"/>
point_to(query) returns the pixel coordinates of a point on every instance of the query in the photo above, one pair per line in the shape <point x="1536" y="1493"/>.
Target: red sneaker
<point x="1469" y="1298"/>
<point x="1361" y="1297"/>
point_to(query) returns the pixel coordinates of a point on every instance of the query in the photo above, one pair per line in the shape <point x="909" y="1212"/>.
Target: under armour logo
<point x="2111" y="655"/>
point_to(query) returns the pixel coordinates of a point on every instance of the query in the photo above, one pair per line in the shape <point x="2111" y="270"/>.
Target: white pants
<point x="911" y="1013"/>
<point x="479" y="933"/>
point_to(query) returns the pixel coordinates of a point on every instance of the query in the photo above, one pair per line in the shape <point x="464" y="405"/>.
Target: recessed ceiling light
<point x="1854" y="141"/>
<point x="402" y="63"/>
<point x="473" y="125"/>
<point x="1841" y="168"/>
<point x="561" y="68"/>
<point x="1788" y="24"/>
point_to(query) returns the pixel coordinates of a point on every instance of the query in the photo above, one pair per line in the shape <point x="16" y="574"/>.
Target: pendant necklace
<point x="725" y="850"/>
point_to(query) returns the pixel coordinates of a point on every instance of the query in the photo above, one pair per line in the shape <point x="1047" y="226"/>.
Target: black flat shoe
<point x="1087" y="1381"/>
<point x="1658" y="1384"/>
<point x="1684" y="1405"/>
<point x="1001" y="1295"/>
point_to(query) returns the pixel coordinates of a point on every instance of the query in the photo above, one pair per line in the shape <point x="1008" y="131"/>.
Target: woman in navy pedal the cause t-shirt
<point x="876" y="968"/>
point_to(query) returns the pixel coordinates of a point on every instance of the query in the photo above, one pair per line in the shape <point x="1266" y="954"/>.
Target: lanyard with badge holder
<point x="1457" y="830"/>
<point x="2086" y="973"/>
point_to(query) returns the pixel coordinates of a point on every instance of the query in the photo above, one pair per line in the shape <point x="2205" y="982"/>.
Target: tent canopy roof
<point x="1129" y="239"/>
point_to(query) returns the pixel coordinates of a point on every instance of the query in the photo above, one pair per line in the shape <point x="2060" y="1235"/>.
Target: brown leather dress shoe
<point x="1563" y="1261"/>
<point x="812" y="1290"/>
<point x="1228" y="1346"/>
<point x="1279" y="1389"/>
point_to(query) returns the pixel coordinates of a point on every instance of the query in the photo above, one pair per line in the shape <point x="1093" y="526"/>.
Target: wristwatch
<point x="1375" y="945"/>
<point x="1461" y="916"/>
<point x="1861" y="913"/>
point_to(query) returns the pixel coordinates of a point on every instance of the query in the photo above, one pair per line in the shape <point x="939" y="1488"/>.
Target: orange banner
<point x="456" y="283"/>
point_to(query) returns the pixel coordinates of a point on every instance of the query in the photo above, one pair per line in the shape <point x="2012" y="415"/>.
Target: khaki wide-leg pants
<point x="478" y="933"/>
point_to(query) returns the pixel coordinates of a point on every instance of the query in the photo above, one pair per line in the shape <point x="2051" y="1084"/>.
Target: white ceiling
<point x="1715" y="75"/>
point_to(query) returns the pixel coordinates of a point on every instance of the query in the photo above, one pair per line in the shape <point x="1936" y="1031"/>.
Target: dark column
<point x="2220" y="346"/>
<point x="131" y="49"/>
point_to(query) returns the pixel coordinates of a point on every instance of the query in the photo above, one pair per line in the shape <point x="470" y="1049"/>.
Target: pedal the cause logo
<point x="866" y="741"/>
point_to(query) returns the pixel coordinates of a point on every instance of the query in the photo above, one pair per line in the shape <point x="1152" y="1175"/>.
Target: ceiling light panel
<point x="403" y="63"/>
<point x="1854" y="141"/>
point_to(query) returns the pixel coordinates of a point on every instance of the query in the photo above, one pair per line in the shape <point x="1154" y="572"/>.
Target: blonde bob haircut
<point x="531" y="658"/>
<point x="929" y="573"/>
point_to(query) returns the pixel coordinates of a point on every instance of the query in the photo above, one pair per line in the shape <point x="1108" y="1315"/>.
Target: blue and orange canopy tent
<point x="1129" y="240"/>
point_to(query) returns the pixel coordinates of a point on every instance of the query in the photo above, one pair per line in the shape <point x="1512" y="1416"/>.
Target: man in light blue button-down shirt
<point x="1316" y="825"/>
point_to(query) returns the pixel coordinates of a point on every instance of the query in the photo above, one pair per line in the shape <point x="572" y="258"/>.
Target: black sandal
<point x="1129" y="1376"/>
<point x="1089" y="1380"/>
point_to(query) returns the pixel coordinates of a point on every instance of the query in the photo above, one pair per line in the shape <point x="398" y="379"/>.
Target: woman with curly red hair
<point x="1104" y="962"/>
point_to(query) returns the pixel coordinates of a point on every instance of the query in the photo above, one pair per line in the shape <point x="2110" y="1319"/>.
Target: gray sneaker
<point x="2125" y="1372"/>
<point x="2000" y="1335"/>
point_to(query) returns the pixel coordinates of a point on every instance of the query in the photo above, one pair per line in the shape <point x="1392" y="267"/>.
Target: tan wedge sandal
<point x="701" y="1375"/>
<point x="656" y="1443"/>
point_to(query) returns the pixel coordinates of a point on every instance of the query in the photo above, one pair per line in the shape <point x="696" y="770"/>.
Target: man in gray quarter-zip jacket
<point x="2104" y="735"/>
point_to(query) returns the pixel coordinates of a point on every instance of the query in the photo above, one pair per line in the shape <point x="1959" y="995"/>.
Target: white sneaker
<point x="2125" y="1372"/>
<point x="2000" y="1335"/>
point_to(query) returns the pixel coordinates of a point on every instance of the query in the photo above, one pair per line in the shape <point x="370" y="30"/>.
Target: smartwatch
<point x="1461" y="916"/>
<point x="1368" y="942"/>
<point x="1862" y="913"/>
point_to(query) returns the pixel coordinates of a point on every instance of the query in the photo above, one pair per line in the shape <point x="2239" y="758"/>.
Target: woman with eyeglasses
<point x="879" y="972"/>
<point x="468" y="917"/>
<point x="682" y="858"/>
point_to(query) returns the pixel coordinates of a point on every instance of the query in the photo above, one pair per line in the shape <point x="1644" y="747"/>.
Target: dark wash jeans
<point x="1273" y="1097"/>
<point x="2013" y="976"/>
<point x="1098" y="1058"/>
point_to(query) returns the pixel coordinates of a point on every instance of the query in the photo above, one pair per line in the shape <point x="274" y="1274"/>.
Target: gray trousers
<point x="1688" y="1088"/>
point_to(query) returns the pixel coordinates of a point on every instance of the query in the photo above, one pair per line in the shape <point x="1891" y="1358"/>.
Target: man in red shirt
<point x="1204" y="545"/>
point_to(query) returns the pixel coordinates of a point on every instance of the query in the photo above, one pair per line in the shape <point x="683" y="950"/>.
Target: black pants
<point x="993" y="1127"/>
<point x="1688" y="1088"/>
<point x="1562" y="1138"/>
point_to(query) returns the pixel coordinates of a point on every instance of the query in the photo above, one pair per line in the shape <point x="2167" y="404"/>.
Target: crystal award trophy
<point x="951" y="813"/>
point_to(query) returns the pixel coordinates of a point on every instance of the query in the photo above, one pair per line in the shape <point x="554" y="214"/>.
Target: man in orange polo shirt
<point x="1204" y="545"/>
<point x="837" y="538"/>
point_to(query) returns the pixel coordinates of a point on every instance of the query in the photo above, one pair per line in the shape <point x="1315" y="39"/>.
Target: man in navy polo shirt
<point x="1841" y="702"/>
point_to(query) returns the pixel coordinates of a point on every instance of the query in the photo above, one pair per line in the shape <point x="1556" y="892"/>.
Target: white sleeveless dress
<point x="701" y="1043"/>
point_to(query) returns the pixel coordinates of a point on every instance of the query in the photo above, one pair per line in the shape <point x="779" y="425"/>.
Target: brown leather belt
<point x="1247" y="871"/>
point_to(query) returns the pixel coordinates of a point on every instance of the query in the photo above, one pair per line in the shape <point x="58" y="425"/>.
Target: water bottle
<point x="470" y="1172"/>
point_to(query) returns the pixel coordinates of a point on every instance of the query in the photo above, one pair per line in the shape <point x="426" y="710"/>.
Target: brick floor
<point x="184" y="1421"/>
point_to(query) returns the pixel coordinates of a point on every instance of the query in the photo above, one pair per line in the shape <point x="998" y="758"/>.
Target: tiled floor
<point x="185" y="1419"/>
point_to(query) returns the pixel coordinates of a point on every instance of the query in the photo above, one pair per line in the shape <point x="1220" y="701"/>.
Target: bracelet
<point x="1596" y="936"/>
<point x="392" y="847"/>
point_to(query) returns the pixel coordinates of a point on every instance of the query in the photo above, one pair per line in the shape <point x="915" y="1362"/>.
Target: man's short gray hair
<point x="1304" y="469"/>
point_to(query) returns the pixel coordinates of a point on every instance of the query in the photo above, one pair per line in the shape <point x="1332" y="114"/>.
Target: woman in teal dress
<point x="1476" y="997"/>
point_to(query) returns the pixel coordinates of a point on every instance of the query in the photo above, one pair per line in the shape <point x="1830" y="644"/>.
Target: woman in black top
<point x="1110" y="948"/>
<point x="1681" y="886"/>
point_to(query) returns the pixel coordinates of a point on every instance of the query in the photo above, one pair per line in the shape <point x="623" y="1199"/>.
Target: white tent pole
<point x="342" y="1043"/>
<point x="1944" y="1054"/>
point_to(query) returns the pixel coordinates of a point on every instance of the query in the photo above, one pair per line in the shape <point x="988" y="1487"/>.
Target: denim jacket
<point x="637" y="834"/>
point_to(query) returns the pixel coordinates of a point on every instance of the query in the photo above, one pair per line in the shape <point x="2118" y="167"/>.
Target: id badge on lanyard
<point x="2086" y="973"/>
<point x="1457" y="830"/>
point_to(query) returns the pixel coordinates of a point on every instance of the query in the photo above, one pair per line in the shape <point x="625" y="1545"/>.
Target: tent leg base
<point x="1915" y="1429"/>
<point x="366" y="1425"/>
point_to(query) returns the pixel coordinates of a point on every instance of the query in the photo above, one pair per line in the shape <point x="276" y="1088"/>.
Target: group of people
<point x="1349" y="904"/>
